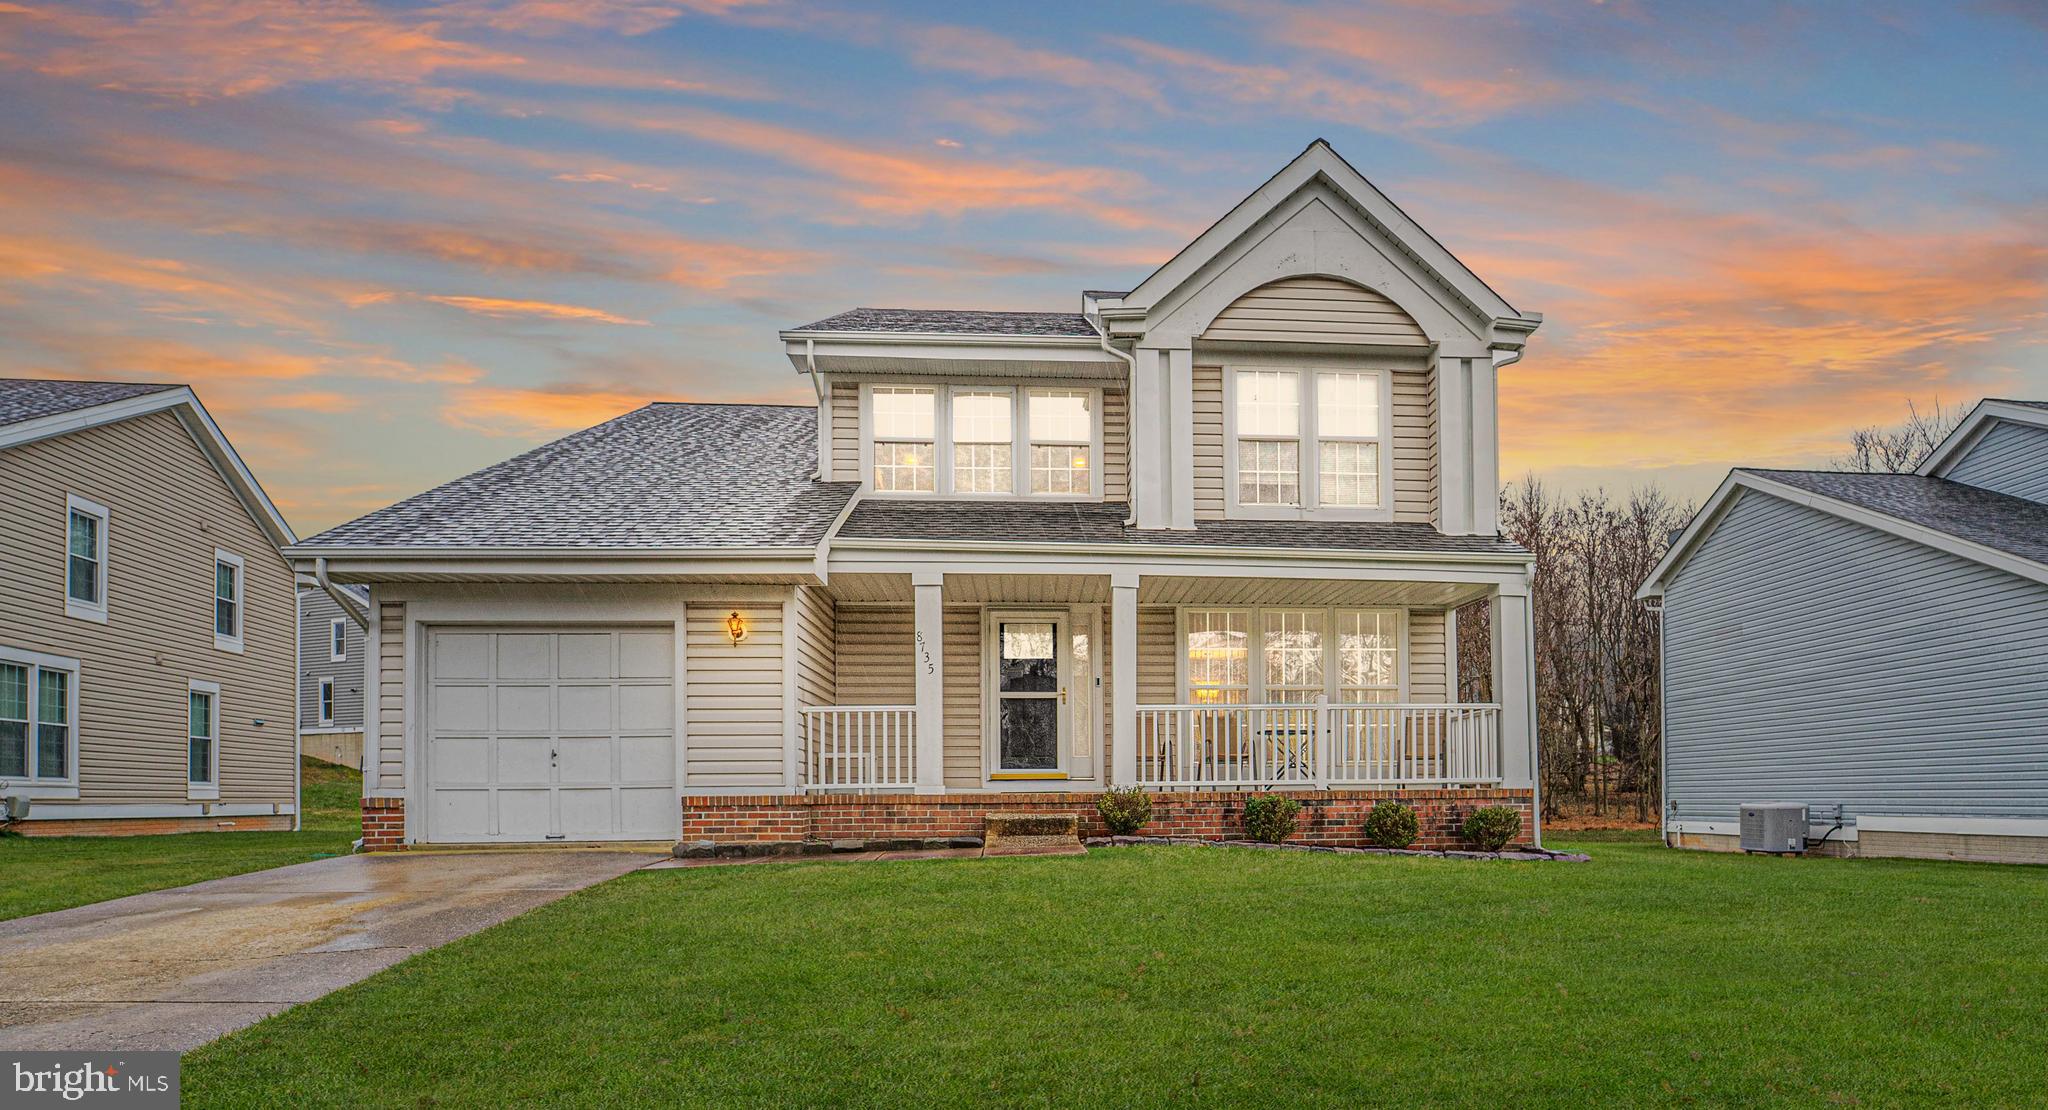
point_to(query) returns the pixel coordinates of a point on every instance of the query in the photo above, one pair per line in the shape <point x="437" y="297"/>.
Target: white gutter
<point x="356" y="610"/>
<point x="1130" y="373"/>
<point x="857" y="543"/>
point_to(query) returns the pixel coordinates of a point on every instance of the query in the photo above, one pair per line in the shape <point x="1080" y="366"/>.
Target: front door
<point x="1030" y="695"/>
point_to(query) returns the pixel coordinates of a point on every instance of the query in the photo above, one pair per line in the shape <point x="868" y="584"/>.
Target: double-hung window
<point x="227" y="600"/>
<point x="337" y="641"/>
<point x="38" y="719"/>
<point x="906" y="444"/>
<point x="1310" y="440"/>
<point x="1062" y="435"/>
<point x="326" y="701"/>
<point x="982" y="435"/>
<point x="1283" y="655"/>
<point x="202" y="746"/>
<point x="85" y="559"/>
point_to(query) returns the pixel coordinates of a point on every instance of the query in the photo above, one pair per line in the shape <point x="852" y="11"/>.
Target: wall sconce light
<point x="736" y="627"/>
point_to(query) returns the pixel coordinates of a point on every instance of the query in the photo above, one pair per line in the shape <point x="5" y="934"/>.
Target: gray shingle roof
<point x="2017" y="401"/>
<point x="1998" y="521"/>
<point x="32" y="398"/>
<point x="1103" y="523"/>
<point x="664" y="476"/>
<point x="955" y="321"/>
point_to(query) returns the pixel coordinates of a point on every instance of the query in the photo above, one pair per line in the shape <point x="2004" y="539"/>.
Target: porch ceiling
<point x="1093" y="589"/>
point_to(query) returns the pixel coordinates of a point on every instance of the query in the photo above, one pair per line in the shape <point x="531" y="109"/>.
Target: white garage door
<point x="551" y="734"/>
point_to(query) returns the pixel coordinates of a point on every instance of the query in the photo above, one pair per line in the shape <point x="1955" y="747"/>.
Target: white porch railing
<point x="859" y="747"/>
<point x="1317" y="745"/>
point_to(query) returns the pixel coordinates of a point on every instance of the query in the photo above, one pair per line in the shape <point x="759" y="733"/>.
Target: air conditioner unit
<point x="1774" y="827"/>
<point x="14" y="807"/>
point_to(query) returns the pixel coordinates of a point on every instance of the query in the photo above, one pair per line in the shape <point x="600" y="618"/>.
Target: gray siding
<point x="1811" y="659"/>
<point x="316" y="610"/>
<point x="2010" y="458"/>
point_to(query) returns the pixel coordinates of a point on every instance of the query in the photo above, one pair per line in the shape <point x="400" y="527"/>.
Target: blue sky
<point x="393" y="243"/>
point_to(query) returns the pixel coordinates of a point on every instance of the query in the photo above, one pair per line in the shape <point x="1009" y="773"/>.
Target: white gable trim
<point x="1738" y="482"/>
<point x="1974" y="427"/>
<point x="194" y="416"/>
<point x="1320" y="160"/>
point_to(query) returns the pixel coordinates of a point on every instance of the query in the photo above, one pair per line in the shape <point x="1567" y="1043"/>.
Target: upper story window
<point x="227" y="600"/>
<point x="337" y="641"/>
<point x="85" y="559"/>
<point x="1309" y="441"/>
<point x="38" y="718"/>
<point x="906" y="420"/>
<point x="984" y="440"/>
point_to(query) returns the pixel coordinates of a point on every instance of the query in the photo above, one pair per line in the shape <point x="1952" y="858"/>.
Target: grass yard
<point x="57" y="872"/>
<point x="1140" y="976"/>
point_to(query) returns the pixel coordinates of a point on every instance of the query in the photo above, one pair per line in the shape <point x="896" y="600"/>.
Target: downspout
<point x="1130" y="372"/>
<point x="349" y="605"/>
<point x="818" y="389"/>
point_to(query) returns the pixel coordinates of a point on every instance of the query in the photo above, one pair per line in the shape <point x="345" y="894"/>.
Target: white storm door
<point x="1028" y="689"/>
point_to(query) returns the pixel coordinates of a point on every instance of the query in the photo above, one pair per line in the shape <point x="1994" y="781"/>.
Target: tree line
<point x="1599" y="712"/>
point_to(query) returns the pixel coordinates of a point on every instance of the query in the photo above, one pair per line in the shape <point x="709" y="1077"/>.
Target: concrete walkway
<point x="174" y="969"/>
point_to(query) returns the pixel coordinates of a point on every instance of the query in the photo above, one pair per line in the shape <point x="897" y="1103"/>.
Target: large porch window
<point x="1291" y="655"/>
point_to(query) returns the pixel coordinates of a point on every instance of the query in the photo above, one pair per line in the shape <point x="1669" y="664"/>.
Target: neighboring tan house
<point x="146" y="617"/>
<point x="1204" y="536"/>
<point x="330" y="678"/>
<point x="1872" y="646"/>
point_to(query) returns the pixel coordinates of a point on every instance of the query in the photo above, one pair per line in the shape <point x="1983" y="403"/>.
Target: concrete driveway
<point x="174" y="969"/>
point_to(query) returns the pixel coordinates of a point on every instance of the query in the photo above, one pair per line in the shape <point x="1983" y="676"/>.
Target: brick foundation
<point x="1334" y="817"/>
<point x="151" y="826"/>
<point x="383" y="824"/>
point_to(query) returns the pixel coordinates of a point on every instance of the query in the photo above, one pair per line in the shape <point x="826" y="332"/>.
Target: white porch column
<point x="1123" y="662"/>
<point x="929" y="657"/>
<point x="1514" y="687"/>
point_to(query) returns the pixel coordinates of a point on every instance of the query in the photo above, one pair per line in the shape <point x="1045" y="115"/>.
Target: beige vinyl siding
<point x="733" y="700"/>
<point x="962" y="698"/>
<point x="1158" y="662"/>
<point x="874" y="665"/>
<point x="1414" y="447"/>
<point x="1316" y="310"/>
<point x="1428" y="665"/>
<point x="846" y="432"/>
<point x="817" y="674"/>
<point x="1208" y="398"/>
<point x="1116" y="444"/>
<point x="390" y="776"/>
<point x="169" y="509"/>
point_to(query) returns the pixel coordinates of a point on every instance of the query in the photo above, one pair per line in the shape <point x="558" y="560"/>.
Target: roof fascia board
<point x="1177" y="551"/>
<point x="1871" y="518"/>
<point x="198" y="423"/>
<point x="1510" y="577"/>
<point x="1973" y="428"/>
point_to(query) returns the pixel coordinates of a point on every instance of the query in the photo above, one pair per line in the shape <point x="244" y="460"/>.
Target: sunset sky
<point x="392" y="243"/>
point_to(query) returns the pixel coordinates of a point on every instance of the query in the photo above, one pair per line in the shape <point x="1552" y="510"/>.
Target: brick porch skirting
<point x="383" y="824"/>
<point x="1334" y="817"/>
<point x="149" y="826"/>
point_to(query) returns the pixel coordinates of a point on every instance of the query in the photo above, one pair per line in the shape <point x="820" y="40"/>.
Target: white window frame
<point x="84" y="610"/>
<point x="1020" y="438"/>
<point x="337" y="640"/>
<point x="1310" y="449"/>
<point x="210" y="790"/>
<point x="1255" y="647"/>
<point x="325" y="703"/>
<point x="34" y="785"/>
<point x="223" y="641"/>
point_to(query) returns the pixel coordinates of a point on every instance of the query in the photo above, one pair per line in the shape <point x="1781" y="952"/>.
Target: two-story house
<point x="146" y="618"/>
<point x="1203" y="536"/>
<point x="331" y="677"/>
<point x="1869" y="646"/>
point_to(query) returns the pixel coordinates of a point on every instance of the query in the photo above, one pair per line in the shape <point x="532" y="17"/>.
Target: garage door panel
<point x="647" y="655"/>
<point x="585" y="655"/>
<point x="551" y="734"/>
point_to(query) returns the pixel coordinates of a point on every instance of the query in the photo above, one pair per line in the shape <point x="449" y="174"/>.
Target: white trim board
<point x="61" y="812"/>
<point x="1959" y="826"/>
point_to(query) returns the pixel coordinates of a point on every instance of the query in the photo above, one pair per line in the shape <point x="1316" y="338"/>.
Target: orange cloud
<point x="508" y="411"/>
<point x="503" y="308"/>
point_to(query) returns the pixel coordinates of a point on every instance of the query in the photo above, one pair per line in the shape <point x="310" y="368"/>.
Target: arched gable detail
<point x="1316" y="308"/>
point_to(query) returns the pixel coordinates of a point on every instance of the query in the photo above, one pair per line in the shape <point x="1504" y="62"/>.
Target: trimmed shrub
<point x="1270" y="817"/>
<point x="1391" y="825"/>
<point x="1124" y="809"/>
<point x="1492" y="828"/>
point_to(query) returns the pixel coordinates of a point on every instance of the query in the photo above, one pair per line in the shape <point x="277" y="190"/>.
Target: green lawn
<point x="54" y="873"/>
<point x="1139" y="976"/>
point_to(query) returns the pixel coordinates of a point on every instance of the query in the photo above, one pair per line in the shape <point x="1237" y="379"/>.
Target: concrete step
<point x="1012" y="834"/>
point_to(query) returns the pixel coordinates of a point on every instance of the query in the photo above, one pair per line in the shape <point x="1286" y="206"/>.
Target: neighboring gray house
<point x="330" y="678"/>
<point x="1874" y="646"/>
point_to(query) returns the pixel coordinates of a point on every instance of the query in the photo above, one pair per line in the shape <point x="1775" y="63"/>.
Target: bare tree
<point x="1899" y="448"/>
